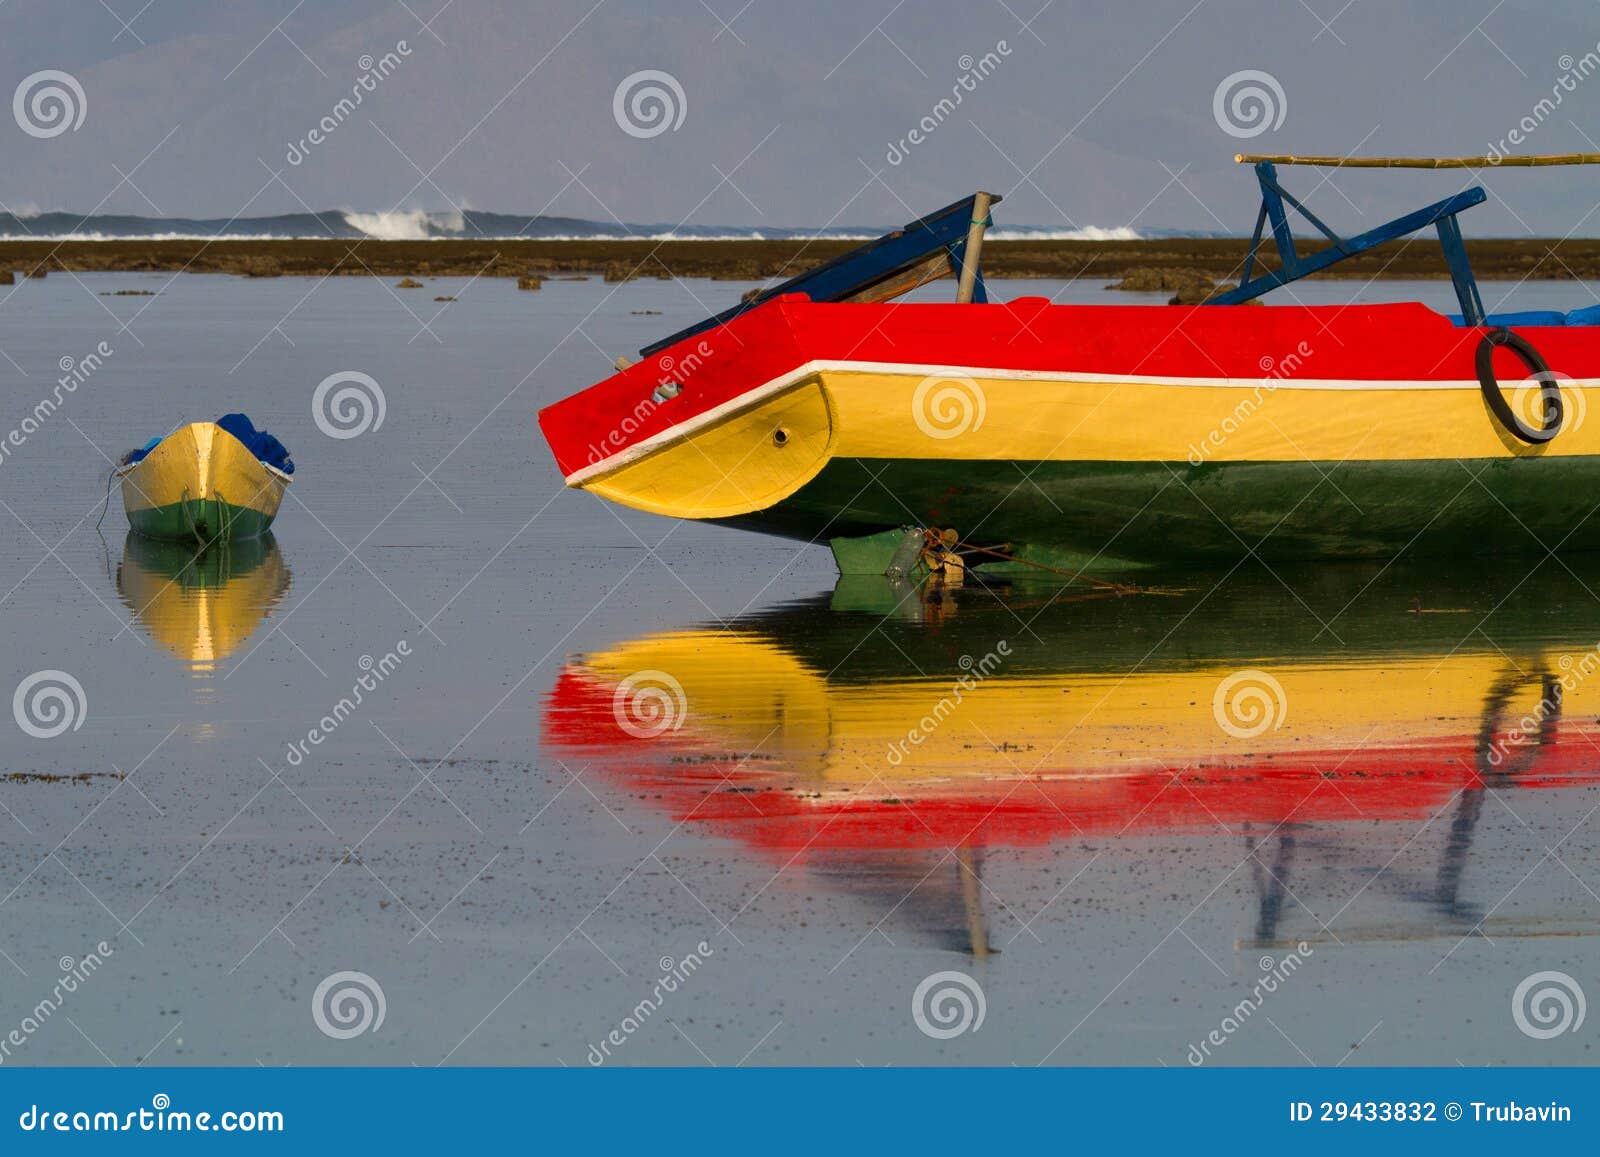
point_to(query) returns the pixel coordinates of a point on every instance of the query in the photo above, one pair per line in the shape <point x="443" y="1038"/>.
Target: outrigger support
<point x="1292" y="266"/>
<point x="942" y="244"/>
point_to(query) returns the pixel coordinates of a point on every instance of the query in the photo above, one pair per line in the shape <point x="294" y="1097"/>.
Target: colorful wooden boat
<point x="1106" y="434"/>
<point x="201" y="605"/>
<point x="203" y="484"/>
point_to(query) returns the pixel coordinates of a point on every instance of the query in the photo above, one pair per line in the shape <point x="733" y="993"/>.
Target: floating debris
<point x="530" y="282"/>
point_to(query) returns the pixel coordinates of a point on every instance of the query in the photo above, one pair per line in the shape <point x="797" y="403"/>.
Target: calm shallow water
<point x="515" y="868"/>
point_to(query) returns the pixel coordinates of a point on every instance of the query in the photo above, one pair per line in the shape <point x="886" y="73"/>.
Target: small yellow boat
<point x="206" y="482"/>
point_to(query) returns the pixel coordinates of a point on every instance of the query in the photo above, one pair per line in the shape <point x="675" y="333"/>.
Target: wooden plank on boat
<point x="1423" y="162"/>
<point x="931" y="269"/>
<point x="973" y="249"/>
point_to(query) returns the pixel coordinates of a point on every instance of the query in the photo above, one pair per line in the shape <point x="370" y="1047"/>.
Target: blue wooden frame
<point x="850" y="273"/>
<point x="1441" y="215"/>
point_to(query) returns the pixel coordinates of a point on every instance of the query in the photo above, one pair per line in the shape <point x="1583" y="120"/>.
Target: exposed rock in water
<point x="1182" y="281"/>
<point x="530" y="282"/>
<point x="261" y="267"/>
<point x="7" y="277"/>
<point x="444" y="299"/>
<point x="408" y="283"/>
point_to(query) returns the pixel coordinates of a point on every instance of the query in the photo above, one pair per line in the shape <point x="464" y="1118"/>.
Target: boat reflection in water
<point x="201" y="606"/>
<point x="1284" y="716"/>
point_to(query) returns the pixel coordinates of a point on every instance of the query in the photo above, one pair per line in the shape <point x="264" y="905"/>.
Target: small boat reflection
<point x="201" y="605"/>
<point x="880" y="750"/>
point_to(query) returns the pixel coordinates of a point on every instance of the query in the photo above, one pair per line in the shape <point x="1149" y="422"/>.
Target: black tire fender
<point x="1549" y="392"/>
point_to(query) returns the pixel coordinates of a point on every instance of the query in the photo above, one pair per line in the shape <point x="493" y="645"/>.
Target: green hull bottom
<point x="200" y="520"/>
<point x="1121" y="515"/>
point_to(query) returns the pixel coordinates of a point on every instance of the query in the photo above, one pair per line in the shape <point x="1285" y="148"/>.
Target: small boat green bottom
<point x="200" y="520"/>
<point x="1124" y="515"/>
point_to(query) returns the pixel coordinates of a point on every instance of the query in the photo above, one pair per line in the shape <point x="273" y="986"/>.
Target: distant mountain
<point x="417" y="225"/>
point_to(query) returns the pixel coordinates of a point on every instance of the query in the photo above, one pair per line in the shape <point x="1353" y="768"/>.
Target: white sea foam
<point x="412" y="225"/>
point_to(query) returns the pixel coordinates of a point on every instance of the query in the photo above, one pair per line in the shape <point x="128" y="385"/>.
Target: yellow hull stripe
<point x="750" y="454"/>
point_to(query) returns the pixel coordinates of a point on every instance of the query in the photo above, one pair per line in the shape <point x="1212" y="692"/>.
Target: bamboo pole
<point x="1425" y="162"/>
<point x="974" y="246"/>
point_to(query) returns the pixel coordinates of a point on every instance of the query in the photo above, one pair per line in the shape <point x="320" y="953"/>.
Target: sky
<point x="1082" y="113"/>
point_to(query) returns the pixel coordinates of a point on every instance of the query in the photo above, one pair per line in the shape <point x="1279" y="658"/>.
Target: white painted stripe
<point x="794" y="377"/>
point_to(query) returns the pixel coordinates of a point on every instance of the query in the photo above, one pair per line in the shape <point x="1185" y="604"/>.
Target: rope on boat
<point x="935" y="539"/>
<point x="110" y="477"/>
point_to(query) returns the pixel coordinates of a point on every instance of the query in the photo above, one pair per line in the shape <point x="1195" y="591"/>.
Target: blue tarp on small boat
<point x="263" y="445"/>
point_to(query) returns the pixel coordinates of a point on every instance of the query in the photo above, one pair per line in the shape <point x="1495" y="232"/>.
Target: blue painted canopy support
<point x="854" y="274"/>
<point x="1292" y="266"/>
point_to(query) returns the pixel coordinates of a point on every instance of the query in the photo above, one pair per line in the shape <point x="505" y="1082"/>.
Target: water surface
<point x="521" y="828"/>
